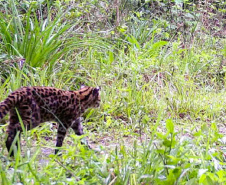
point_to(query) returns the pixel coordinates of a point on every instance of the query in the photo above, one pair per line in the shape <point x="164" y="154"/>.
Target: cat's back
<point x="49" y="94"/>
<point x="41" y="94"/>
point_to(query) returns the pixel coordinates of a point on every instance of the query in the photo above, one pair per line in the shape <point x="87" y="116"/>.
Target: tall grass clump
<point x="39" y="41"/>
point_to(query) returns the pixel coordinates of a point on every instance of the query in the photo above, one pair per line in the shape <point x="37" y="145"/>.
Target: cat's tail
<point x="6" y="105"/>
<point x="15" y="98"/>
<point x="4" y="108"/>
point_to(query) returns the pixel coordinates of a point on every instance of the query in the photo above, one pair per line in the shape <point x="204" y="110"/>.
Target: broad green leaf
<point x="170" y="125"/>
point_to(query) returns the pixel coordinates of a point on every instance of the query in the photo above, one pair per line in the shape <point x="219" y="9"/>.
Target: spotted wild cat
<point x="36" y="105"/>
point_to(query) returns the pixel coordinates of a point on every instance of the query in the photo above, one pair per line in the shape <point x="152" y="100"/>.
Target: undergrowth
<point x="162" y="114"/>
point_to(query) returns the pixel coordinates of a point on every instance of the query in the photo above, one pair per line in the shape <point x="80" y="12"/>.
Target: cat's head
<point x="90" y="96"/>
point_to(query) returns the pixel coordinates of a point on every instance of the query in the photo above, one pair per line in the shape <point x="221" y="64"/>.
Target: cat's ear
<point x="82" y="86"/>
<point x="96" y="91"/>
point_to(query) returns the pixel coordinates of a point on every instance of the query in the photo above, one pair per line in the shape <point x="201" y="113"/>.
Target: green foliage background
<point x="161" y="67"/>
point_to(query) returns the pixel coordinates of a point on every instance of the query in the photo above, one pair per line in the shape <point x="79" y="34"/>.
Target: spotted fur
<point x="36" y="105"/>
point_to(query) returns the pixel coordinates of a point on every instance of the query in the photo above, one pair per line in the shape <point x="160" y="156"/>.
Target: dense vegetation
<point x="161" y="67"/>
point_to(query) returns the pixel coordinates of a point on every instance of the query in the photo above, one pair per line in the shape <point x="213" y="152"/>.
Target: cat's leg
<point x="77" y="126"/>
<point x="12" y="130"/>
<point x="61" y="132"/>
<point x="78" y="129"/>
<point x="22" y="113"/>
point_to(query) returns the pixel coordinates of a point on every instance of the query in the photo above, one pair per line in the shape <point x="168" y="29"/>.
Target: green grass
<point x="161" y="119"/>
<point x="152" y="127"/>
